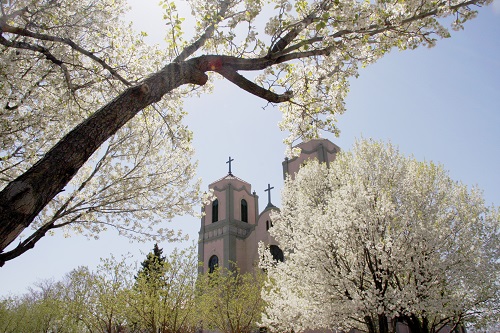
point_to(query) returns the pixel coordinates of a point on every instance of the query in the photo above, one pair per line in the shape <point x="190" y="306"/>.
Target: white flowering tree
<point x="379" y="239"/>
<point x="61" y="60"/>
<point x="74" y="78"/>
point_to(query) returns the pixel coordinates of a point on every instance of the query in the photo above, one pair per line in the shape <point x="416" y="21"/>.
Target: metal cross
<point x="269" y="188"/>
<point x="229" y="162"/>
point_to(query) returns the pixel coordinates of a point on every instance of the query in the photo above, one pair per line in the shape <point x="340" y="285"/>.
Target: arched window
<point x="244" y="210"/>
<point x="269" y="224"/>
<point x="276" y="253"/>
<point x="213" y="262"/>
<point x="215" y="211"/>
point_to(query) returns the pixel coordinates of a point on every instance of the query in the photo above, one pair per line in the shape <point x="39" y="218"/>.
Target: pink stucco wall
<point x="221" y="197"/>
<point x="240" y="189"/>
<point x="311" y="150"/>
<point x="242" y="193"/>
<point x="214" y="247"/>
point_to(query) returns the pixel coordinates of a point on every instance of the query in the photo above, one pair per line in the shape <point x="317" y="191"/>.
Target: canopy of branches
<point x="78" y="155"/>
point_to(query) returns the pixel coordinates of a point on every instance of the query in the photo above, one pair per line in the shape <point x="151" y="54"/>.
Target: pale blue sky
<point x="440" y="104"/>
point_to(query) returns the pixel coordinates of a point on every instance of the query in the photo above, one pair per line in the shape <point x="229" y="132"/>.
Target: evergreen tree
<point x="162" y="299"/>
<point x="153" y="263"/>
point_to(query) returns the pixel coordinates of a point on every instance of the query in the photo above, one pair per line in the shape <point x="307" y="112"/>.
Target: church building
<point x="233" y="225"/>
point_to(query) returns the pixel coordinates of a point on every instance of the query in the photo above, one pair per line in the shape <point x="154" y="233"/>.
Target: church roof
<point x="229" y="176"/>
<point x="270" y="205"/>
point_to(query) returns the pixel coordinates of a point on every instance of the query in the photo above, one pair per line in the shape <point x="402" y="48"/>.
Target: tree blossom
<point x="379" y="238"/>
<point x="91" y="117"/>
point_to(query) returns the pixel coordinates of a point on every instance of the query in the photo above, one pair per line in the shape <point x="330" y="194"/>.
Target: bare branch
<point x="30" y="242"/>
<point x="290" y="36"/>
<point x="280" y="48"/>
<point x="6" y="17"/>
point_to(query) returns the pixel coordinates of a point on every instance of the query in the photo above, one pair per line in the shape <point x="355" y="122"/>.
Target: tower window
<point x="215" y="210"/>
<point x="244" y="210"/>
<point x="269" y="224"/>
<point x="213" y="262"/>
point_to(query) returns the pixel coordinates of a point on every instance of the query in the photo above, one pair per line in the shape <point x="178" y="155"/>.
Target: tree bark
<point x="23" y="198"/>
<point x="369" y="324"/>
<point x="383" y="324"/>
<point x="416" y="324"/>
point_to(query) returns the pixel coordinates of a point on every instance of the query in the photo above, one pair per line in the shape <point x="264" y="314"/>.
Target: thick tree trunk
<point x="383" y="324"/>
<point x="416" y="324"/>
<point x="23" y="199"/>
<point x="370" y="325"/>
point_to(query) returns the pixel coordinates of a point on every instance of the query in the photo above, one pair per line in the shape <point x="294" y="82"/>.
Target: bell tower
<point x="228" y="222"/>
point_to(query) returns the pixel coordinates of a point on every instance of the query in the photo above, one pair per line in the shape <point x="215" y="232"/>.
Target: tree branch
<point x="249" y="86"/>
<point x="30" y="242"/>
<point x="209" y="31"/>
<point x="280" y="48"/>
<point x="6" y="17"/>
<point x="40" y="49"/>
<point x="282" y="43"/>
<point x="26" y="33"/>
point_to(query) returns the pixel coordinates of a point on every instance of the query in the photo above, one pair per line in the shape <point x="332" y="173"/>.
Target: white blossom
<point x="74" y="67"/>
<point x="380" y="234"/>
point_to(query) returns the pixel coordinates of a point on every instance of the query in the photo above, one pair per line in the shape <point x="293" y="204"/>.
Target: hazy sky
<point x="440" y="104"/>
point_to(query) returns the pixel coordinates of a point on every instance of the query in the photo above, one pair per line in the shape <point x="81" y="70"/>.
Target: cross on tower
<point x="269" y="188"/>
<point x="229" y="162"/>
